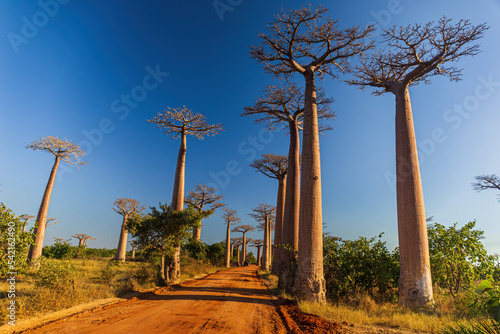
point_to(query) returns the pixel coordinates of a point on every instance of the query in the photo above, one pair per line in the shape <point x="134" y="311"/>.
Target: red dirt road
<point x="230" y="301"/>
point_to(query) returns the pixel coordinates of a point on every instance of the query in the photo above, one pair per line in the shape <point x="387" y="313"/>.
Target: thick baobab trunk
<point x="122" y="242"/>
<point x="36" y="250"/>
<point x="197" y="233"/>
<point x="278" y="228"/>
<point x="239" y="254"/>
<point x="265" y="248"/>
<point x="229" y="247"/>
<point x="133" y="252"/>
<point x="290" y="229"/>
<point x="173" y="263"/>
<point x="269" y="243"/>
<point x="244" y="255"/>
<point x="415" y="284"/>
<point x="258" y="256"/>
<point x="309" y="281"/>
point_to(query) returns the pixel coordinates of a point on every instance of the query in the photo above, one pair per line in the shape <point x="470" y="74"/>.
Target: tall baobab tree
<point x="134" y="245"/>
<point x="258" y="243"/>
<point x="86" y="241"/>
<point x="198" y="198"/>
<point x="308" y="42"/>
<point x="230" y="218"/>
<point x="264" y="215"/>
<point x="127" y="207"/>
<point x="244" y="229"/>
<point x="283" y="108"/>
<point x="275" y="166"/>
<point x="484" y="182"/>
<point x="412" y="55"/>
<point x="237" y="242"/>
<point x="181" y="122"/>
<point x="25" y="218"/>
<point x="63" y="150"/>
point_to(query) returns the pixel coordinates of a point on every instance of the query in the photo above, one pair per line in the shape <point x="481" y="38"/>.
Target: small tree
<point x="81" y="238"/>
<point x="307" y="42"/>
<point x="244" y="229"/>
<point x="484" y="182"/>
<point x="264" y="214"/>
<point x="202" y="196"/>
<point x="127" y="207"/>
<point x="458" y="256"/>
<point x="63" y="150"/>
<point x="230" y="218"/>
<point x="180" y="122"/>
<point x="414" y="54"/>
<point x="25" y="218"/>
<point x="159" y="233"/>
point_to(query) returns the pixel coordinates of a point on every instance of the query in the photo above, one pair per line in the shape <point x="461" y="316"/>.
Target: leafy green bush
<point x="14" y="244"/>
<point x="56" y="274"/>
<point x="216" y="252"/>
<point x="360" y="267"/>
<point x="458" y="257"/>
<point x="60" y="250"/>
<point x="196" y="249"/>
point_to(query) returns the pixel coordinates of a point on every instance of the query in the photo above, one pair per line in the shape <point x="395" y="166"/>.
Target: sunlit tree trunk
<point x="133" y="252"/>
<point x="229" y="247"/>
<point x="239" y="254"/>
<point x="172" y="264"/>
<point x="197" y="233"/>
<point x="278" y="228"/>
<point x="36" y="250"/>
<point x="244" y="255"/>
<point x="415" y="284"/>
<point x="310" y="282"/>
<point x="122" y="242"/>
<point x="259" y="259"/>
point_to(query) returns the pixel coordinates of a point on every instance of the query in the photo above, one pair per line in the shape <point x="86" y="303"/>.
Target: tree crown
<point x="271" y="165"/>
<point x="64" y="149"/>
<point x="204" y="195"/>
<point x="182" y="121"/>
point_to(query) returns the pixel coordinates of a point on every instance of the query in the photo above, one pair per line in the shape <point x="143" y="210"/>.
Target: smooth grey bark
<point x="415" y="283"/>
<point x="35" y="250"/>
<point x="309" y="281"/>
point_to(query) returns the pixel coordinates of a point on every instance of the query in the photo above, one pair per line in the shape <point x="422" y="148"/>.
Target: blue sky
<point x="94" y="71"/>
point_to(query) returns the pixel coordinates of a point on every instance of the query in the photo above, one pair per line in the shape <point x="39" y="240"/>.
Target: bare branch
<point x="61" y="148"/>
<point x="204" y="195"/>
<point x="484" y="182"/>
<point x="272" y="165"/>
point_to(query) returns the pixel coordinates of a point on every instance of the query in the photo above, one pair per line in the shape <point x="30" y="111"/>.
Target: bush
<point x="354" y="268"/>
<point x="14" y="244"/>
<point x="216" y="252"/>
<point x="60" y="250"/>
<point x="196" y="249"/>
<point x="57" y="275"/>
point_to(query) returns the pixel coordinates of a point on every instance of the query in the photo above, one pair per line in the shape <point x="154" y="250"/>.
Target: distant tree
<point x="244" y="229"/>
<point x="458" y="257"/>
<point x="237" y="242"/>
<point x="413" y="55"/>
<point x="159" y="233"/>
<point x="308" y="42"/>
<point x="230" y="218"/>
<point x="25" y="218"/>
<point x="202" y="196"/>
<point x="63" y="150"/>
<point x="81" y="237"/>
<point x="134" y="245"/>
<point x="276" y="167"/>
<point x="127" y="207"/>
<point x="484" y="182"/>
<point x="48" y="222"/>
<point x="86" y="241"/>
<point x="258" y="243"/>
<point x="180" y="122"/>
<point x="265" y="215"/>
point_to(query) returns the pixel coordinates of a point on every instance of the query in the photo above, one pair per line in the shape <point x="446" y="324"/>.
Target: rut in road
<point x="229" y="301"/>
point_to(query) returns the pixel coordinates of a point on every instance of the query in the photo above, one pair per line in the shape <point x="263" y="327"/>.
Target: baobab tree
<point x="201" y="196"/>
<point x="258" y="243"/>
<point x="230" y="218"/>
<point x="264" y="214"/>
<point x="127" y="207"/>
<point x="484" y="182"/>
<point x="275" y="166"/>
<point x="48" y="222"/>
<point x="81" y="237"/>
<point x="244" y="229"/>
<point x="86" y="240"/>
<point x="237" y="242"/>
<point x="25" y="218"/>
<point x="308" y="42"/>
<point x="283" y="108"/>
<point x="63" y="150"/>
<point x="134" y="245"/>
<point x="181" y="122"/>
<point x="412" y="55"/>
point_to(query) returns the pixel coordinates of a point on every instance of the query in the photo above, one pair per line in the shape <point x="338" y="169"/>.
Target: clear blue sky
<point x="69" y="72"/>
